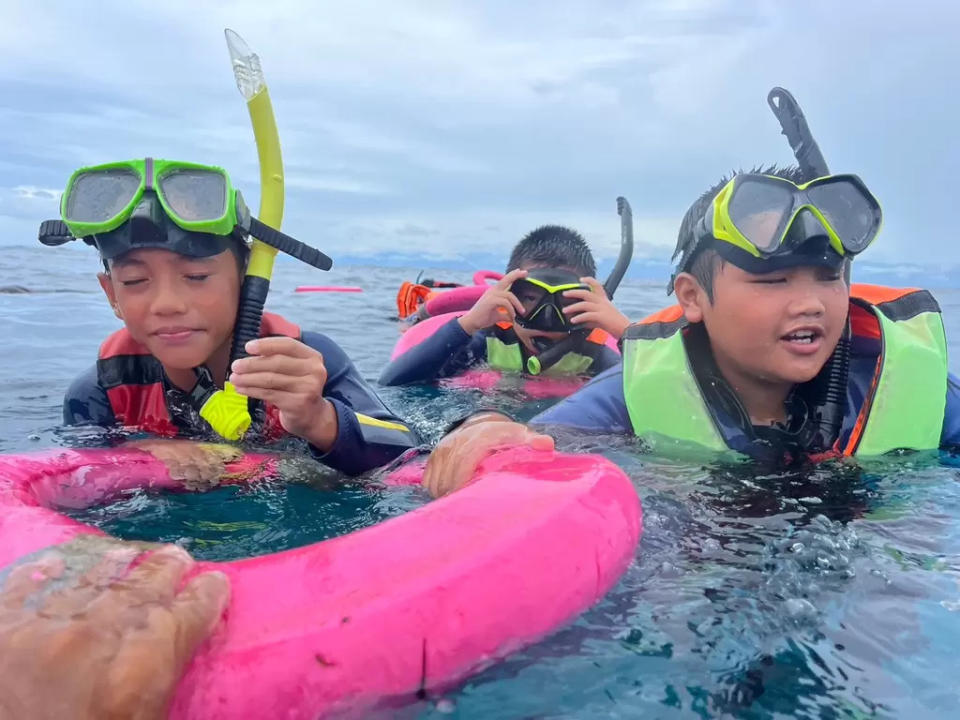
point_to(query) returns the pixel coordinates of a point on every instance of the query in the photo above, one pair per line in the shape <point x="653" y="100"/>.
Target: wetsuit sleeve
<point x="86" y="403"/>
<point x="950" y="435"/>
<point x="369" y="435"/>
<point x="598" y="406"/>
<point x="449" y="351"/>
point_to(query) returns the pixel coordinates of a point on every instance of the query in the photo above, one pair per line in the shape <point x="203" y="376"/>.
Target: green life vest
<point x="904" y="408"/>
<point x="506" y="356"/>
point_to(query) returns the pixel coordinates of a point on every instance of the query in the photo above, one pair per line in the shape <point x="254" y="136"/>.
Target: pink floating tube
<point x="538" y="387"/>
<point x="416" y="602"/>
<point x="461" y="298"/>
<point x="458" y="299"/>
<point x="482" y="277"/>
<point x="416" y="334"/>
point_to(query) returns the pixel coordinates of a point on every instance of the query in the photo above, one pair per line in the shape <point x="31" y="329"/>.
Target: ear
<point x="106" y="284"/>
<point x="691" y="297"/>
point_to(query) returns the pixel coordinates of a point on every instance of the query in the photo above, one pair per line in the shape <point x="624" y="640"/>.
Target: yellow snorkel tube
<point x="227" y="410"/>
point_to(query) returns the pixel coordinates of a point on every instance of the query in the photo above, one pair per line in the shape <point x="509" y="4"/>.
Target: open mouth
<point x="801" y="336"/>
<point x="804" y="340"/>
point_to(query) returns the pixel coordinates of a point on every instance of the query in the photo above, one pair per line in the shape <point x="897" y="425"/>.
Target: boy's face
<point x="775" y="328"/>
<point x="181" y="308"/>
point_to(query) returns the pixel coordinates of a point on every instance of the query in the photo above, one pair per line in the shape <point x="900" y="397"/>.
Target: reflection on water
<point x="233" y="522"/>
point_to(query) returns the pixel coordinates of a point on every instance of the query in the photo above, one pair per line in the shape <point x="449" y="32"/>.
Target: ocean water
<point x="824" y="593"/>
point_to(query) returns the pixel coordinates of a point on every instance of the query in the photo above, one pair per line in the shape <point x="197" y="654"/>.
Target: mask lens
<point x="529" y="294"/>
<point x="194" y="194"/>
<point x="100" y="195"/>
<point x="853" y="215"/>
<point x="759" y="210"/>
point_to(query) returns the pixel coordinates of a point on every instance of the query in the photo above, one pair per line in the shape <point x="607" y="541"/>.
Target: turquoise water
<point x="822" y="593"/>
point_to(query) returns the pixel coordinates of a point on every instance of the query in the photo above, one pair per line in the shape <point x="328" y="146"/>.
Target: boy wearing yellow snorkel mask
<point x="548" y="296"/>
<point x="172" y="237"/>
<point x="769" y="352"/>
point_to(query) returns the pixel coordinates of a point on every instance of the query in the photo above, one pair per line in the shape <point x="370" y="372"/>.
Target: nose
<point x="807" y="300"/>
<point x="168" y="299"/>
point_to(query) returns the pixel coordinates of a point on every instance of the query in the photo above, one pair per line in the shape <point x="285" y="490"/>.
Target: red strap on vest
<point x="144" y="406"/>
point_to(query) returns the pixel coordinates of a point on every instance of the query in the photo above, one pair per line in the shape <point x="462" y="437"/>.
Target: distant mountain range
<point x="645" y="268"/>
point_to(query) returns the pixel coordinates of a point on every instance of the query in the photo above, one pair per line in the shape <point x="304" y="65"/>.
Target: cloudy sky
<point x="442" y="129"/>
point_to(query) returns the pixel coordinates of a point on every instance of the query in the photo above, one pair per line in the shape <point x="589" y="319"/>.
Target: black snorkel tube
<point x="794" y="125"/>
<point x="537" y="364"/>
<point x="830" y="387"/>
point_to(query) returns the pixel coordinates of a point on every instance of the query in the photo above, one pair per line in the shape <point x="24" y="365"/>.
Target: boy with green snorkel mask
<point x="769" y="352"/>
<point x="172" y="239"/>
<point x="546" y="315"/>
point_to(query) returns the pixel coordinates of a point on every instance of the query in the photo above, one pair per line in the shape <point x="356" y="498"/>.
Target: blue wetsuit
<point x="451" y="351"/>
<point x="369" y="435"/>
<point x="600" y="406"/>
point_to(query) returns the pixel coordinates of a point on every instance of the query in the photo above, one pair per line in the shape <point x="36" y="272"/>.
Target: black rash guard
<point x="369" y="435"/>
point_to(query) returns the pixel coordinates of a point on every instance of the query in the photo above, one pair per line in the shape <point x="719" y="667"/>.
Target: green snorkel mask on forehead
<point x="187" y="208"/>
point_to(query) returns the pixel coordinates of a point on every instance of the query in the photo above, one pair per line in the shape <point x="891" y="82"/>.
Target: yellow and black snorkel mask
<point x="541" y="294"/>
<point x="763" y="223"/>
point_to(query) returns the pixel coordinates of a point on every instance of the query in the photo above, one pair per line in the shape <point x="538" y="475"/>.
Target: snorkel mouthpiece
<point x="227" y="412"/>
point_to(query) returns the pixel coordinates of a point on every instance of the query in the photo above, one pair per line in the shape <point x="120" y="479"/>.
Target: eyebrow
<point x="125" y="262"/>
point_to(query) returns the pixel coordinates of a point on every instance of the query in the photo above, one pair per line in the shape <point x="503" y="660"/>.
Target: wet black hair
<point x="703" y="264"/>
<point x="554" y="246"/>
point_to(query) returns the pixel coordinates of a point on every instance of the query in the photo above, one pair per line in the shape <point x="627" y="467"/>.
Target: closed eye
<point x="198" y="277"/>
<point x="131" y="283"/>
<point x="769" y="281"/>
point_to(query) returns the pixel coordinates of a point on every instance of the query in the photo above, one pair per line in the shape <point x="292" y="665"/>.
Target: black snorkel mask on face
<point x="541" y="293"/>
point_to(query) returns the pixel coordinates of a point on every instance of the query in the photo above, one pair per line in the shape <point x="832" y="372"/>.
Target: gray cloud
<point x="477" y="122"/>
